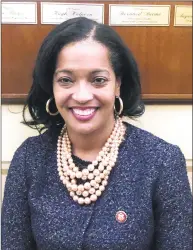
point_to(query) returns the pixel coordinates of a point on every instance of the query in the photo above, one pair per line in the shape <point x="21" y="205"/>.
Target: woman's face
<point x="85" y="86"/>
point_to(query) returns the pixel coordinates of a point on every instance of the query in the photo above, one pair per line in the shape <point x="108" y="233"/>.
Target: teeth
<point x="83" y="112"/>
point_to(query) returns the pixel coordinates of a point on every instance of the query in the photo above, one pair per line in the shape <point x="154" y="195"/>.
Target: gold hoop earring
<point x="47" y="107"/>
<point x="121" y="106"/>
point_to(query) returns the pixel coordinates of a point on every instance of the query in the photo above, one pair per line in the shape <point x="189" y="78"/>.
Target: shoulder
<point x="150" y="145"/>
<point x="36" y="145"/>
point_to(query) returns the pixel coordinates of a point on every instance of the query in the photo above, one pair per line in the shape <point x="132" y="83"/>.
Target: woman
<point x="92" y="181"/>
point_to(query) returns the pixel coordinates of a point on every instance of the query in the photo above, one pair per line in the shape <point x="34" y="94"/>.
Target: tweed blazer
<point x="149" y="184"/>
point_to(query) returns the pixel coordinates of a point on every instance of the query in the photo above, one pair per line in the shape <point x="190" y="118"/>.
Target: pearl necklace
<point x="96" y="174"/>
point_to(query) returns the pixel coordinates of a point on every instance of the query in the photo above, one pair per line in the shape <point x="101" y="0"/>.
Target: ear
<point x="117" y="87"/>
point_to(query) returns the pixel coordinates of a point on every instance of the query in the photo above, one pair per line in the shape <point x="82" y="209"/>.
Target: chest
<point x="60" y="223"/>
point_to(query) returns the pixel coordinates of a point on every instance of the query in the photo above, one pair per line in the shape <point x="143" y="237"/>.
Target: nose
<point x="82" y="94"/>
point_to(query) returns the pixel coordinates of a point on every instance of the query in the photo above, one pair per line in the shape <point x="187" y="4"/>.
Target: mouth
<point x="84" y="114"/>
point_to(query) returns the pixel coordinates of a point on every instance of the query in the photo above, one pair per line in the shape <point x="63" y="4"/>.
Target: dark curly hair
<point x="73" y="30"/>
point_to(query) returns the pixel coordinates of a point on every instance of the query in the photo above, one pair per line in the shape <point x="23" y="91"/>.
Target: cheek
<point x="107" y="99"/>
<point x="60" y="96"/>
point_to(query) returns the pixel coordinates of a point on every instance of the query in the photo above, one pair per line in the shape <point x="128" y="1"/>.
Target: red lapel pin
<point x="121" y="216"/>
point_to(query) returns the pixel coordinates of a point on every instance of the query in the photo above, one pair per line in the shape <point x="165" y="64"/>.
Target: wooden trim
<point x="5" y="171"/>
<point x="13" y="98"/>
<point x="167" y="98"/>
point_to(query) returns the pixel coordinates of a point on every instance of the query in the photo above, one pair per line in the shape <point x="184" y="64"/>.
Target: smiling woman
<point x="85" y="89"/>
<point x="92" y="181"/>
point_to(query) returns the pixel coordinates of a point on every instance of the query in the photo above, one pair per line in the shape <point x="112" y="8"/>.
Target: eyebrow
<point x="71" y="72"/>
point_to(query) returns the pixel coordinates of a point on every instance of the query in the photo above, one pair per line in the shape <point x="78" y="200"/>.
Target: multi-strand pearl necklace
<point x="96" y="175"/>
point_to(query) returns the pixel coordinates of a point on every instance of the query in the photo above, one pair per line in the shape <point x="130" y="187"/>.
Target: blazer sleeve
<point x="173" y="204"/>
<point x="16" y="232"/>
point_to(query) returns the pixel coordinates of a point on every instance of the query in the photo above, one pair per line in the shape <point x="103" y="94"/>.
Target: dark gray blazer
<point x="149" y="183"/>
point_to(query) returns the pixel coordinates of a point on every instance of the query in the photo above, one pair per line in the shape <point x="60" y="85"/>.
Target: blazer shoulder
<point x="148" y="143"/>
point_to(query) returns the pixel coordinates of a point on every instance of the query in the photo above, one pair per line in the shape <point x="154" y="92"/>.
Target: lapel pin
<point x="121" y="216"/>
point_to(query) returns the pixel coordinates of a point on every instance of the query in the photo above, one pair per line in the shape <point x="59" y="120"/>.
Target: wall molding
<point x="5" y="166"/>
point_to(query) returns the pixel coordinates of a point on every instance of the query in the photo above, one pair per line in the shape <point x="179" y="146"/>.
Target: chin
<point x="83" y="129"/>
<point x="86" y="129"/>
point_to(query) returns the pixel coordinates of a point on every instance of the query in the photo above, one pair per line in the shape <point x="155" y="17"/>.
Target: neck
<point x="87" y="146"/>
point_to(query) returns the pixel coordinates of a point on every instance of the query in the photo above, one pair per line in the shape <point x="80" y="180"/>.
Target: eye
<point x="65" y="81"/>
<point x="100" y="80"/>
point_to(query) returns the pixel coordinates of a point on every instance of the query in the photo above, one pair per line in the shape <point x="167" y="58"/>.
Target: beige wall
<point x="173" y="123"/>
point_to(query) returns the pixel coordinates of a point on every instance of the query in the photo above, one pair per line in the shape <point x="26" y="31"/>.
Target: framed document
<point x="55" y="13"/>
<point x="19" y="13"/>
<point x="139" y="15"/>
<point x="183" y="15"/>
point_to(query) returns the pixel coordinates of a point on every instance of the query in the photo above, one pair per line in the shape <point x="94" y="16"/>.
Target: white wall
<point x="170" y="122"/>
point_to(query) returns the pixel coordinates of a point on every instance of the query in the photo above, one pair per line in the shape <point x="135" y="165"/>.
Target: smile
<point x="84" y="114"/>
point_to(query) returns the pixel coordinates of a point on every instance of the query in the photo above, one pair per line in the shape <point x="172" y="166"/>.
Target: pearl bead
<point x="101" y="153"/>
<point x="84" y="177"/>
<point x="102" y="176"/>
<point x="65" y="168"/>
<point x="97" y="186"/>
<point x="78" y="192"/>
<point x="61" y="178"/>
<point x="99" y="158"/>
<point x="85" y="172"/>
<point x="68" y="185"/>
<point x="111" y="164"/>
<point x="98" y="193"/>
<point x="90" y="167"/>
<point x="104" y="183"/>
<point x="109" y="168"/>
<point x="72" y="165"/>
<point x="80" y="187"/>
<point x="75" y="169"/>
<point x="101" y="167"/>
<point x="97" y="179"/>
<point x="85" y="193"/>
<point x="68" y="172"/>
<point x="70" y="160"/>
<point x="71" y="193"/>
<point x="93" y="183"/>
<point x="95" y="163"/>
<point x="96" y="172"/>
<point x="105" y="163"/>
<point x="87" y="185"/>
<point x="60" y="173"/>
<point x="93" y="197"/>
<point x="90" y="176"/>
<point x="105" y="172"/>
<point x="109" y="140"/>
<point x="81" y="200"/>
<point x="74" y="187"/>
<point x="78" y="174"/>
<point x="73" y="175"/>
<point x="101" y="188"/>
<point x="87" y="200"/>
<point x="64" y="181"/>
<point x="91" y="191"/>
<point x="75" y="198"/>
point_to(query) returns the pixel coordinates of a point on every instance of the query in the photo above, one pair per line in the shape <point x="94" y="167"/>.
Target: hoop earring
<point x="121" y="106"/>
<point x="47" y="107"/>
